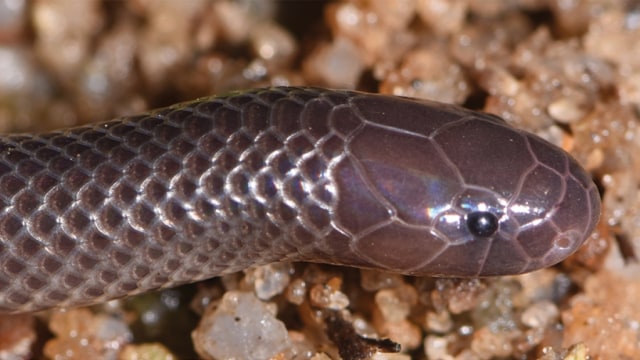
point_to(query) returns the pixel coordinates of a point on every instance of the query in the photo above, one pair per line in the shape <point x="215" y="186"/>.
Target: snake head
<point x="444" y="191"/>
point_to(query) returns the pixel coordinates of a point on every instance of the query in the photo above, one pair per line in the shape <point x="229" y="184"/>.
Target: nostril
<point x="567" y="241"/>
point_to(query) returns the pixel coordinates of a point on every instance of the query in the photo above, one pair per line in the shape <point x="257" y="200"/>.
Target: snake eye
<point x="482" y="223"/>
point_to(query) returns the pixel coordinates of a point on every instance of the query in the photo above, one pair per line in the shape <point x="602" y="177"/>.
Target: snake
<point x="282" y="174"/>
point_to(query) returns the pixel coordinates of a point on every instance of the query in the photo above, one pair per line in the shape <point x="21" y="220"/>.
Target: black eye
<point x="482" y="223"/>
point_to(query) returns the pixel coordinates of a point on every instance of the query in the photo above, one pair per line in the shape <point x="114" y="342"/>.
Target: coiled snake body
<point x="282" y="174"/>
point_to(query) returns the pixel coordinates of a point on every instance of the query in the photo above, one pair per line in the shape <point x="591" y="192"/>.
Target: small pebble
<point x="146" y="352"/>
<point x="337" y="65"/>
<point x="269" y="280"/>
<point x="372" y="280"/>
<point x="296" y="291"/>
<point x="80" y="334"/>
<point x="17" y="336"/>
<point x="439" y="322"/>
<point x="443" y="16"/>
<point x="395" y="304"/>
<point x="540" y="314"/>
<point x="488" y="344"/>
<point x="328" y="297"/>
<point x="240" y="327"/>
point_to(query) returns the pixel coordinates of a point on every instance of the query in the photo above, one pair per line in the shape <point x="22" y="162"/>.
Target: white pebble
<point x="240" y="327"/>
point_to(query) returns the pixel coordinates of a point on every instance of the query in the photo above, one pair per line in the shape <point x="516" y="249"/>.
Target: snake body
<point x="220" y="184"/>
